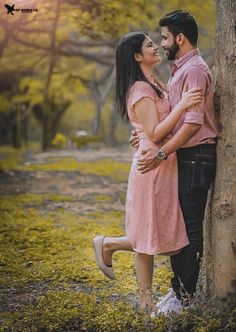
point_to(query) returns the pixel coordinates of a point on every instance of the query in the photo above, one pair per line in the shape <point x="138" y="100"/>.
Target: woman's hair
<point x="181" y="22"/>
<point x="128" y="70"/>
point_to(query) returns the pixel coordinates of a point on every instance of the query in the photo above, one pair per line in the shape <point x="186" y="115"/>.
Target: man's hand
<point x="134" y="139"/>
<point x="148" y="160"/>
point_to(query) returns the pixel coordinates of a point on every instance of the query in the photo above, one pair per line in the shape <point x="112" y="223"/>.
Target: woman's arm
<point x="145" y="110"/>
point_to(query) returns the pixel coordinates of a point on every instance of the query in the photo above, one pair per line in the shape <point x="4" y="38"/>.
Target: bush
<point x="59" y="141"/>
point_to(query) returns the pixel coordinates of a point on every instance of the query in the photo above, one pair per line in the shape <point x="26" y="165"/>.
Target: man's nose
<point x="162" y="43"/>
<point x="156" y="47"/>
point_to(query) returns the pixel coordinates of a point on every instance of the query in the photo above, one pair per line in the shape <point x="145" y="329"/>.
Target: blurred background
<point x="58" y="66"/>
<point x="64" y="165"/>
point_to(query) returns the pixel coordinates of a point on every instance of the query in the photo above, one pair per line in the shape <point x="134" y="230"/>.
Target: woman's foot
<point x="150" y="309"/>
<point x="107" y="252"/>
<point x="101" y="254"/>
<point x="147" y="304"/>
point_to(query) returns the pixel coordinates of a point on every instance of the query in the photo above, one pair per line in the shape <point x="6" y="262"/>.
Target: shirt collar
<point x="178" y="63"/>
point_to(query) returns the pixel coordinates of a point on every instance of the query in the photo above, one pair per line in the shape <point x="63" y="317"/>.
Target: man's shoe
<point x="170" y="295"/>
<point x="173" y="305"/>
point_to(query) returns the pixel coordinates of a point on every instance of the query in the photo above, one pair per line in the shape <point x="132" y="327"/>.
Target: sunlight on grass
<point x="102" y="167"/>
<point x="49" y="278"/>
<point x="55" y="248"/>
<point x="12" y="159"/>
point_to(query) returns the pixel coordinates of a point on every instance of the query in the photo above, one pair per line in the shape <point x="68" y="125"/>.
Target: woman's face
<point x="149" y="53"/>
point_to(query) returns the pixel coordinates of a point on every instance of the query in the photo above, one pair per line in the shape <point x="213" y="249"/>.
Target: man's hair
<point x="181" y="22"/>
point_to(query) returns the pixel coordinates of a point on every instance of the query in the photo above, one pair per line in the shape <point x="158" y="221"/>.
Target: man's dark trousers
<point x="196" y="169"/>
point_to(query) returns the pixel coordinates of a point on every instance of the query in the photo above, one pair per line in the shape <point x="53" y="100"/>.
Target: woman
<point x="154" y="221"/>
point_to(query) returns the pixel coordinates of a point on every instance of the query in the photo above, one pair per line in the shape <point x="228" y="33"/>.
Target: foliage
<point x="5" y="103"/>
<point x="202" y="11"/>
<point x="59" y="141"/>
<point x="49" y="278"/>
<point x="85" y="38"/>
<point x="55" y="248"/>
<point x="53" y="255"/>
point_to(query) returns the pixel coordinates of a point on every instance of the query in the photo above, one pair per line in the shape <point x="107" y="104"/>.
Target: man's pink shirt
<point x="188" y="72"/>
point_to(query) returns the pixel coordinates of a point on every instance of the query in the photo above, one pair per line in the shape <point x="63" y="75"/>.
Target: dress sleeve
<point x="196" y="78"/>
<point x="141" y="90"/>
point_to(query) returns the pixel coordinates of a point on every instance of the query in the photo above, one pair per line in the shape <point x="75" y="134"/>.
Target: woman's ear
<point x="138" y="57"/>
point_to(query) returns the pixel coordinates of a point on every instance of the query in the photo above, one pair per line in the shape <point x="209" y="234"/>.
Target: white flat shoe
<point x="98" y="246"/>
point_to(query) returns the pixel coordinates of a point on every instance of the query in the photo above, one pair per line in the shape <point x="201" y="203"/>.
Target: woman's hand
<point x="148" y="160"/>
<point x="134" y="139"/>
<point x="190" y="98"/>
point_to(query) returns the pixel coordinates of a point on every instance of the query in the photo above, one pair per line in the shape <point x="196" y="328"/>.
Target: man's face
<point x="169" y="44"/>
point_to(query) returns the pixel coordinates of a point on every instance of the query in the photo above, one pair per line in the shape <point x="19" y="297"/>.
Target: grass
<point x="11" y="159"/>
<point x="49" y="279"/>
<point x="54" y="249"/>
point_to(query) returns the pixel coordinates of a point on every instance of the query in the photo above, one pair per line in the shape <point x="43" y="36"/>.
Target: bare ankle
<point x="146" y="303"/>
<point x="108" y="245"/>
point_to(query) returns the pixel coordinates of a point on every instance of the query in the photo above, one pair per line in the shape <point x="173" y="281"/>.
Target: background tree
<point x="66" y="39"/>
<point x="221" y="232"/>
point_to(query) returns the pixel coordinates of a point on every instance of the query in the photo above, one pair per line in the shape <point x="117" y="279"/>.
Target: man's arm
<point x="194" y="118"/>
<point x="183" y="135"/>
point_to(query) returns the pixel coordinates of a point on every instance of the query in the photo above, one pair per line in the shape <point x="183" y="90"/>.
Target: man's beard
<point x="172" y="51"/>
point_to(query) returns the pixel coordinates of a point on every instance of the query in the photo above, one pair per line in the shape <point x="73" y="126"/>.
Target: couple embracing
<point x="174" y="163"/>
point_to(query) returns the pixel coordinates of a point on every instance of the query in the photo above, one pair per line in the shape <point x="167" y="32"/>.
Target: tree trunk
<point x="48" y="110"/>
<point x="4" y="128"/>
<point x="221" y="234"/>
<point x="46" y="133"/>
<point x="97" y="118"/>
<point x="25" y="128"/>
<point x="15" y="129"/>
<point x="111" y="139"/>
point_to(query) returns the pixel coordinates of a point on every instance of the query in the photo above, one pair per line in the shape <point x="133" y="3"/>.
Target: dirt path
<point x="85" y="188"/>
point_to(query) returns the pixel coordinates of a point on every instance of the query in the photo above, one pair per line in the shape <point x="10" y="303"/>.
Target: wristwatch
<point x="161" y="155"/>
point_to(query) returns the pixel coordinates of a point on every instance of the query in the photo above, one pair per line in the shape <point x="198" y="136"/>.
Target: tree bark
<point x="15" y="128"/>
<point x="111" y="139"/>
<point x="48" y="111"/>
<point x="221" y="224"/>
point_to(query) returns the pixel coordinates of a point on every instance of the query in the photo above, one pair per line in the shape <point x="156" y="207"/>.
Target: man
<point x="194" y="140"/>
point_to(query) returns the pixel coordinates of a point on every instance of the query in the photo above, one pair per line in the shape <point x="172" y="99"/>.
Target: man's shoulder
<point x="197" y="63"/>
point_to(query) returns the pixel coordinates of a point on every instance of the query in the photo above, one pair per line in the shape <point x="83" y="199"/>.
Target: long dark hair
<point x="128" y="70"/>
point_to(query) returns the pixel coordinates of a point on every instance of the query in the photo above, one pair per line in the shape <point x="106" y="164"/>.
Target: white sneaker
<point x="166" y="298"/>
<point x="173" y="305"/>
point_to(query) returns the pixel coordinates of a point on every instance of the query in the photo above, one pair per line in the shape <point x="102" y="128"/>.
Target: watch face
<point x="161" y="155"/>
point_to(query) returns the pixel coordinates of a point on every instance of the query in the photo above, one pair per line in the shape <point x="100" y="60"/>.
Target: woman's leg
<point x="144" y="273"/>
<point x="112" y="244"/>
<point x="143" y="267"/>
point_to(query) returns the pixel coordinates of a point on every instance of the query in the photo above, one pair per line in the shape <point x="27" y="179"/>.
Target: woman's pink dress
<point x="154" y="220"/>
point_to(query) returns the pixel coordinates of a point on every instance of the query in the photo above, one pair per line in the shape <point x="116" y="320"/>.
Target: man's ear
<point x="138" y="57"/>
<point x="180" y="39"/>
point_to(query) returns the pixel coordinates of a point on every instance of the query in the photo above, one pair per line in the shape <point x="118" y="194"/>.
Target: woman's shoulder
<point x="141" y="84"/>
<point x="142" y="88"/>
